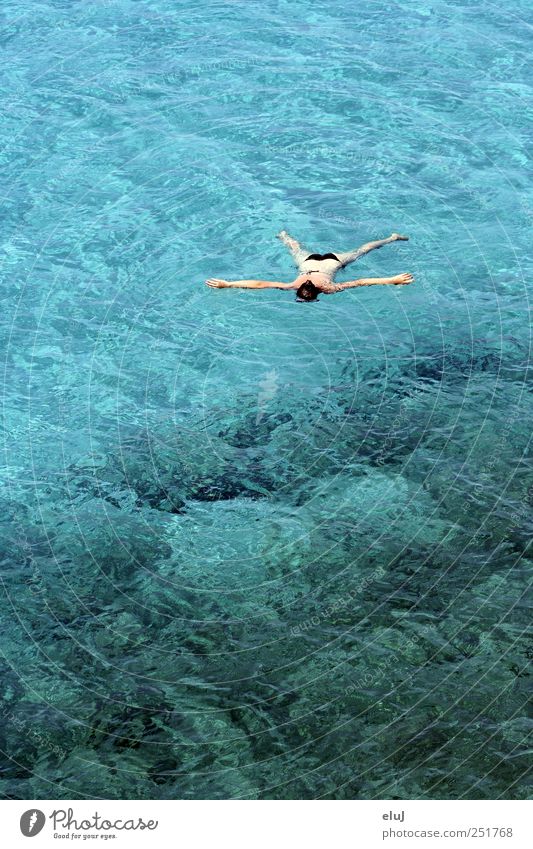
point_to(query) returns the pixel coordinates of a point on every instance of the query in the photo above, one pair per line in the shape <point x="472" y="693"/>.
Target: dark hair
<point x="307" y="291"/>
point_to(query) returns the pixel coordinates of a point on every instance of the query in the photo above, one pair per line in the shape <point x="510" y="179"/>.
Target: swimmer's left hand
<point x="215" y="283"/>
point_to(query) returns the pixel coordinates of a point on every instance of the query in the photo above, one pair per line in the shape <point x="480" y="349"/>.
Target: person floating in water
<point x="317" y="271"/>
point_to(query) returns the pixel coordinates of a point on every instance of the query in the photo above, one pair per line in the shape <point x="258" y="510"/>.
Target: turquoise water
<point x="254" y="548"/>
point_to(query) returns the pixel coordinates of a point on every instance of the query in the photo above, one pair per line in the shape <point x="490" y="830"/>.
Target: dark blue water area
<point x="253" y="548"/>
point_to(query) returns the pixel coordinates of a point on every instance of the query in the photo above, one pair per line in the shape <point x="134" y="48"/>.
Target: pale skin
<point x="322" y="279"/>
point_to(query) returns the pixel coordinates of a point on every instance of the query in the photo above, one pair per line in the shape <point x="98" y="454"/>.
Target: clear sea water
<point x="254" y="548"/>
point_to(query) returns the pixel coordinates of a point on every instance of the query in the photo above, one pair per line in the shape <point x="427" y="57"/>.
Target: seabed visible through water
<point x="254" y="548"/>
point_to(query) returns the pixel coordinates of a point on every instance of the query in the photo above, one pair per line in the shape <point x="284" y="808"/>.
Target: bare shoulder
<point x="329" y="288"/>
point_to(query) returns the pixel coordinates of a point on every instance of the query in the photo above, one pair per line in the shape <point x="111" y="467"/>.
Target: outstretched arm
<point x="215" y="283"/>
<point x="399" y="280"/>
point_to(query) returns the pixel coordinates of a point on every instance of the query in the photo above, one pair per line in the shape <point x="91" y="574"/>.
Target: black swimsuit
<point x="320" y="257"/>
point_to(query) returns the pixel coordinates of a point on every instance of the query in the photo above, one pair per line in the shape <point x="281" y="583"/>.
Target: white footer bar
<point x="268" y="824"/>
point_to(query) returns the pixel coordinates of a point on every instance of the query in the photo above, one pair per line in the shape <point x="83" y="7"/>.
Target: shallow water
<point x="252" y="548"/>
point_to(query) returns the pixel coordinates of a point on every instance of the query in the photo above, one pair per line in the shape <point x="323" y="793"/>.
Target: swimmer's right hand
<point x="215" y="283"/>
<point x="403" y="279"/>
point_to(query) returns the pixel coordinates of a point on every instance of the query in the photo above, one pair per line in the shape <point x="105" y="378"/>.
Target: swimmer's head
<point x="307" y="291"/>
